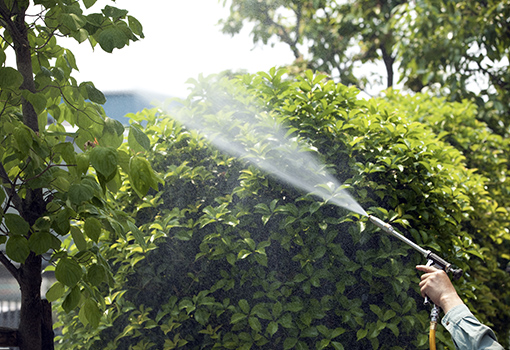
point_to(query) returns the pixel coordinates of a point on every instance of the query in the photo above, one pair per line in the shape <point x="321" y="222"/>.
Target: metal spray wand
<point x="432" y="260"/>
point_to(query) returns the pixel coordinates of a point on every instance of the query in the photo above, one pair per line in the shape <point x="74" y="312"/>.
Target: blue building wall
<point x="118" y="104"/>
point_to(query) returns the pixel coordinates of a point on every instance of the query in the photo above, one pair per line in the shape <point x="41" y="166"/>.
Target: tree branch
<point x="11" y="191"/>
<point x="283" y="34"/>
<point x="9" y="266"/>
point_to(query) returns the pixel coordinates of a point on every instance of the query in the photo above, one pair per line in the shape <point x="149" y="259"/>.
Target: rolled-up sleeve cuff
<point x="455" y="315"/>
<point x="467" y="332"/>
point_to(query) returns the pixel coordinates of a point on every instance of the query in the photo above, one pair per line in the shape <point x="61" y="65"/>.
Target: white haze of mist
<point x="258" y="138"/>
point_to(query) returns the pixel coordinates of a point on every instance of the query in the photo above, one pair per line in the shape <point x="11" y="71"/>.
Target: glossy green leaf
<point x="245" y="307"/>
<point x="91" y="312"/>
<point x="61" y="223"/>
<point x="68" y="271"/>
<point x="72" y="21"/>
<point x="135" y="26"/>
<point x="92" y="228"/>
<point x="104" y="160"/>
<point x="10" y="78"/>
<point x="362" y="333"/>
<point x="23" y="138"/>
<point x="17" y="248"/>
<point x="55" y="292"/>
<point x="138" y="141"/>
<point x="139" y="236"/>
<point x="79" y="193"/>
<point x="96" y="274"/>
<point x="37" y="100"/>
<point x="142" y="176"/>
<point x="255" y="324"/>
<point x="67" y="152"/>
<point x="236" y="318"/>
<point x="42" y="241"/>
<point x="289" y="343"/>
<point x="112" y="38"/>
<point x="16" y="224"/>
<point x="94" y="94"/>
<point x="272" y="328"/>
<point x="89" y="3"/>
<point x="72" y="299"/>
<point x="114" y="12"/>
<point x="78" y="238"/>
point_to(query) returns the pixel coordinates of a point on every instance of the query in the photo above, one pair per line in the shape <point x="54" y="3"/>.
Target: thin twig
<point x="11" y="191"/>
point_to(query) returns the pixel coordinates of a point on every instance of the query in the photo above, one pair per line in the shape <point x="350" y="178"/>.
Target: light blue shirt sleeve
<point x="467" y="332"/>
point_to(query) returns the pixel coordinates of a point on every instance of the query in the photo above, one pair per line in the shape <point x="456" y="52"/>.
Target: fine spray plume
<point x="260" y="138"/>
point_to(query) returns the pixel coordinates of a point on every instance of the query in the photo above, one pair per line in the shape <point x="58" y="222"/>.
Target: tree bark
<point x="24" y="64"/>
<point x="29" y="331"/>
<point x="388" y="63"/>
<point x="48" y="335"/>
<point x="8" y="337"/>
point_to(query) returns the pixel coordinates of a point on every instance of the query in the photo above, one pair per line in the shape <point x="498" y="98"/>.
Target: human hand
<point x="437" y="286"/>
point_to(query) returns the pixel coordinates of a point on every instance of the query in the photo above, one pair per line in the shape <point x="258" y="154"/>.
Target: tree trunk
<point x="388" y="63"/>
<point x="23" y="52"/>
<point x="29" y="331"/>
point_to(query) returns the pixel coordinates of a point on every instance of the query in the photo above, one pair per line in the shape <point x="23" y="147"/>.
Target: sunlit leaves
<point x="113" y="133"/>
<point x="104" y="160"/>
<point x="61" y="157"/>
<point x="138" y="141"/>
<point x="93" y="94"/>
<point x="55" y="292"/>
<point x="142" y="176"/>
<point x="90" y="313"/>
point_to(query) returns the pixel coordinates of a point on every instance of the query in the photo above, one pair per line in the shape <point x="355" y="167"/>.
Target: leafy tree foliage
<point x="458" y="49"/>
<point x="331" y="36"/>
<point x="462" y="47"/>
<point x="56" y="180"/>
<point x="238" y="259"/>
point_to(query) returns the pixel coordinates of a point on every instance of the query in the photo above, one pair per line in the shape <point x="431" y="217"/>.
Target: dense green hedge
<point x="238" y="259"/>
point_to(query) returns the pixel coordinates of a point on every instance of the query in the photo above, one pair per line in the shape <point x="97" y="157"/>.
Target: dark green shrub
<point x="238" y="259"/>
